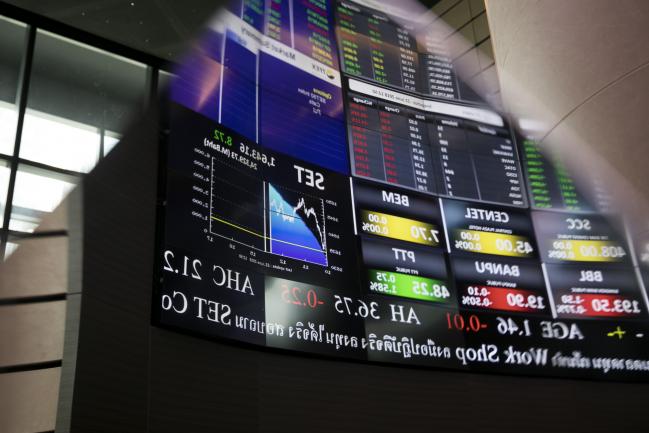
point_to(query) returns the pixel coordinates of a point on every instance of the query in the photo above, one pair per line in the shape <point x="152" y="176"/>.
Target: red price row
<point x="503" y="299"/>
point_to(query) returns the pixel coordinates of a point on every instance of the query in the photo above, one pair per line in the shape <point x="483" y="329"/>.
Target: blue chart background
<point x="263" y="98"/>
<point x="288" y="226"/>
<point x="288" y="123"/>
<point x="238" y="104"/>
<point x="198" y="78"/>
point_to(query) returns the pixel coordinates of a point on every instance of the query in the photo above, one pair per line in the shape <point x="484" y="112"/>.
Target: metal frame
<point x="34" y="23"/>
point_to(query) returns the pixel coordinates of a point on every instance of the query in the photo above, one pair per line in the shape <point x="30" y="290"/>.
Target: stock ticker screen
<point x="332" y="187"/>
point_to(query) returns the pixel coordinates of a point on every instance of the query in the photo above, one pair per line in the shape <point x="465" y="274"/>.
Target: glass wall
<point x="77" y="95"/>
<point x="37" y="192"/>
<point x="64" y="105"/>
<point x="12" y="41"/>
<point x="4" y="184"/>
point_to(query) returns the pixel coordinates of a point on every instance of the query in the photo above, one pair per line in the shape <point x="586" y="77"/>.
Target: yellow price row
<point x="404" y="229"/>
<point x="501" y="244"/>
<point x="586" y="251"/>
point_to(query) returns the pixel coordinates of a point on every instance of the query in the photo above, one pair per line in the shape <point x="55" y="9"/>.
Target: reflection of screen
<point x="333" y="187"/>
<point x="272" y="77"/>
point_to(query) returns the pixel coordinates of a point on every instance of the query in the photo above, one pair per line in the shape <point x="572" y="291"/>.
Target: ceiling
<point x="157" y="27"/>
<point x="586" y="88"/>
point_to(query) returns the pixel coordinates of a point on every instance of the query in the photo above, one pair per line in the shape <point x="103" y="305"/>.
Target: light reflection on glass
<point x="12" y="40"/>
<point x="4" y="184"/>
<point x="8" y="122"/>
<point x="10" y="248"/>
<point x="37" y="193"/>
<point x="110" y="141"/>
<point x="59" y="142"/>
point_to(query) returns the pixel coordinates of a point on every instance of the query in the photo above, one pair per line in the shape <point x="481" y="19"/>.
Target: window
<point x="59" y="142"/>
<point x="12" y="41"/>
<point x="110" y="140"/>
<point x="79" y="102"/>
<point x="78" y="93"/>
<point x="37" y="193"/>
<point x="4" y="184"/>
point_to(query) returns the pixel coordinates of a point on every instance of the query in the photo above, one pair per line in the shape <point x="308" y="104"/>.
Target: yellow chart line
<point x="238" y="227"/>
<point x="262" y="236"/>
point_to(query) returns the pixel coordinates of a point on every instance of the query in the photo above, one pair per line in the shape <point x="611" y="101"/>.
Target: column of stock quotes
<point x="433" y="152"/>
<point x="374" y="46"/>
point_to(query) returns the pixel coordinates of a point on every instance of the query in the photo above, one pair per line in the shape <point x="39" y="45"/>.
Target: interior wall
<point x="33" y="288"/>
<point x="580" y="69"/>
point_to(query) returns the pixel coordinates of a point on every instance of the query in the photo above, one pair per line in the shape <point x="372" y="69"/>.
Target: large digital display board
<point x="329" y="188"/>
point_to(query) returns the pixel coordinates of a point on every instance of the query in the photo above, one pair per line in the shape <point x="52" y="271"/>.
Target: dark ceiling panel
<point x="158" y="27"/>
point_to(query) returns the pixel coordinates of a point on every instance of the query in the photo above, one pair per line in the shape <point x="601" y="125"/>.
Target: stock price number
<point x="426" y="234"/>
<point x="395" y="227"/>
<point x="469" y="240"/>
<point x="618" y="306"/>
<point x="257" y="155"/>
<point x="508" y="326"/>
<point x="189" y="267"/>
<point x="571" y="304"/>
<point x="220" y="276"/>
<point x="519" y="300"/>
<point x="518" y="246"/>
<point x="222" y="137"/>
<point x="459" y="323"/>
<point x="422" y="288"/>
<point x="610" y="252"/>
<point x="477" y="297"/>
<point x="358" y="308"/>
<point x="301" y="297"/>
<point x="376" y="224"/>
<point x="586" y="251"/>
<point x="476" y="301"/>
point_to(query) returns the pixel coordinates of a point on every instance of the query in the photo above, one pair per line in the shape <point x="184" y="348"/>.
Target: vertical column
<point x="408" y="59"/>
<point x="439" y="77"/>
<point x="253" y="13"/>
<point x="364" y="138"/>
<point x="542" y="186"/>
<point x="278" y="24"/>
<point x="396" y="153"/>
<point x="450" y="142"/>
<point x="421" y="153"/>
<point x="496" y="163"/>
<point x="353" y="42"/>
<point x="314" y="31"/>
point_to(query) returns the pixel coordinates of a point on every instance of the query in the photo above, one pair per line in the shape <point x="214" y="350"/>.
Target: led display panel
<point x="331" y="186"/>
